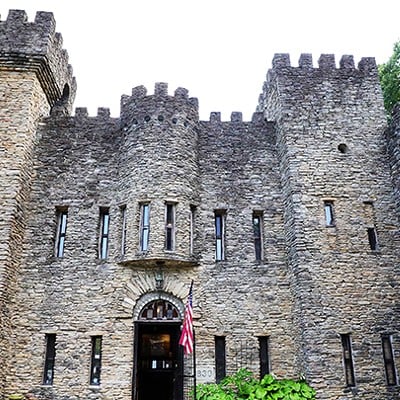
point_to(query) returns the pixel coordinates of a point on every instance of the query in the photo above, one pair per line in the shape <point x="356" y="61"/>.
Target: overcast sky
<point x="220" y="50"/>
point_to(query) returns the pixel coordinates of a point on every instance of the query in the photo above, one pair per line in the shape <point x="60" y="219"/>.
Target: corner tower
<point x="340" y="222"/>
<point x="35" y="79"/>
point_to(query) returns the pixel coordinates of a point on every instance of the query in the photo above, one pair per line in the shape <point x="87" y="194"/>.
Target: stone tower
<point x="34" y="79"/>
<point x="340" y="216"/>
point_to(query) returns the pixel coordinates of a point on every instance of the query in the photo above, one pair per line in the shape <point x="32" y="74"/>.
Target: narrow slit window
<point x="123" y="229"/>
<point x="144" y="226"/>
<point x="62" y="216"/>
<point x="169" y="226"/>
<point x="329" y="216"/>
<point x="220" y="358"/>
<point x="192" y="228"/>
<point x="348" y="360"/>
<point x="104" y="232"/>
<point x="257" y="234"/>
<point x="372" y="238"/>
<point x="48" y="373"/>
<point x="95" y="364"/>
<point x="219" y="235"/>
<point x="263" y="342"/>
<point x="388" y="359"/>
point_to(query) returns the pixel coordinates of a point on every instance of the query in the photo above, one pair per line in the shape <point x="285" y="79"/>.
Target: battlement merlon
<point x="281" y="61"/>
<point x="140" y="104"/>
<point x="36" y="46"/>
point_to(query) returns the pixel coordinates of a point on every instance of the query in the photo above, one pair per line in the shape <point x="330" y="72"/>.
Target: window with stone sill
<point x="219" y="219"/>
<point x="263" y="342"/>
<point x="48" y="372"/>
<point x="95" y="363"/>
<point x="170" y="226"/>
<point x="123" y="229"/>
<point x="257" y="234"/>
<point x="388" y="360"/>
<point x="348" y="360"/>
<point x="62" y="217"/>
<point x="372" y="238"/>
<point x="144" y="226"/>
<point x="329" y="215"/>
<point x="193" y="210"/>
<point x="220" y="358"/>
<point x="104" y="232"/>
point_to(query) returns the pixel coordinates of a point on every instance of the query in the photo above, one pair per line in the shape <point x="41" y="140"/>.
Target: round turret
<point x="159" y="170"/>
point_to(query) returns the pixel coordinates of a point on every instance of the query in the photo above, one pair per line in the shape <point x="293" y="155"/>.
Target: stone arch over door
<point x="152" y="297"/>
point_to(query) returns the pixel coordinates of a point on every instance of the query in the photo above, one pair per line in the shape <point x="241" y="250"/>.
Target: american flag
<point x="186" y="339"/>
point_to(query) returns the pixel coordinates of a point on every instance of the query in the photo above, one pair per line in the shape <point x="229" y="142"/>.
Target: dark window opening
<point x="169" y="226"/>
<point x="220" y="358"/>
<point x="372" y="238"/>
<point x="62" y="216"/>
<point x="48" y="374"/>
<point x="219" y="235"/>
<point x="329" y="217"/>
<point x="95" y="364"/>
<point x="123" y="229"/>
<point x="348" y="360"/>
<point x="192" y="227"/>
<point x="263" y="342"/>
<point x="144" y="227"/>
<point x="388" y="359"/>
<point x="257" y="233"/>
<point x="104" y="232"/>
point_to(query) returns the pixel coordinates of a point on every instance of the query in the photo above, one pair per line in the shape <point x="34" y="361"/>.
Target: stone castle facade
<point x="288" y="225"/>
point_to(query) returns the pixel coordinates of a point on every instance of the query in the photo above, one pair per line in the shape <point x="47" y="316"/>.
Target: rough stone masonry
<point x="288" y="225"/>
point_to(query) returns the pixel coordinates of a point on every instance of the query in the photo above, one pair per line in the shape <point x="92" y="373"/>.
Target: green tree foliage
<point x="243" y="386"/>
<point x="389" y="75"/>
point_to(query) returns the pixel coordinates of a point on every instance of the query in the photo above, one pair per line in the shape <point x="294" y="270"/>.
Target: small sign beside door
<point x="205" y="374"/>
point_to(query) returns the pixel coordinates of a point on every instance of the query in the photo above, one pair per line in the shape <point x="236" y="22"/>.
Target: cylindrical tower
<point x="159" y="174"/>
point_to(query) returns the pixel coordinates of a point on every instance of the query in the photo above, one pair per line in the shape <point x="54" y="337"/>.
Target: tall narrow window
<point x="329" y="217"/>
<point x="104" y="232"/>
<point x="144" y="226"/>
<point x="48" y="373"/>
<point x="372" y="238"/>
<point x="62" y="216"/>
<point x="257" y="233"/>
<point x="169" y="226"/>
<point x="220" y="358"/>
<point x="263" y="342"/>
<point x="123" y="229"/>
<point x="192" y="227"/>
<point x="95" y="364"/>
<point x="388" y="359"/>
<point x="348" y="360"/>
<point x="219" y="235"/>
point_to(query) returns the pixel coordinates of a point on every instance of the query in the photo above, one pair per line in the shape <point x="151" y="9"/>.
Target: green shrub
<point x="243" y="386"/>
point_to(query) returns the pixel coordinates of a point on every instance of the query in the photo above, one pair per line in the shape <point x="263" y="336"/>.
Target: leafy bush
<point x="243" y="386"/>
<point x="389" y="76"/>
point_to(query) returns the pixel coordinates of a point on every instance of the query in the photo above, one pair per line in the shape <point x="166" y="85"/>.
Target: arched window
<point x="159" y="310"/>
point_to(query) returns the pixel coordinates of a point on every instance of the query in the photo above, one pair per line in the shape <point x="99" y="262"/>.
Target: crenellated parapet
<point x="140" y="108"/>
<point x="306" y="81"/>
<point x="36" y="46"/>
<point x="325" y="62"/>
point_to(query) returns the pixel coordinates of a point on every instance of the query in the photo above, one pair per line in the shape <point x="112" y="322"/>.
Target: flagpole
<point x="194" y="366"/>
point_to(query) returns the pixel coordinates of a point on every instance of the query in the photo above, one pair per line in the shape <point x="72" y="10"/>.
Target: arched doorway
<point x="158" y="356"/>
